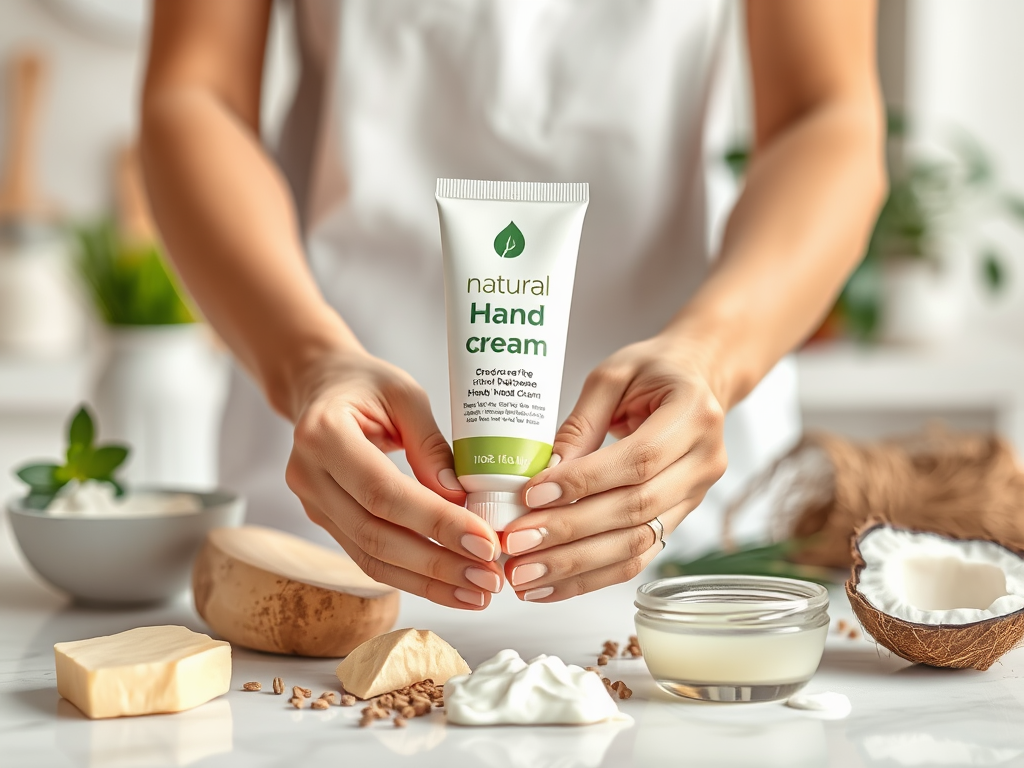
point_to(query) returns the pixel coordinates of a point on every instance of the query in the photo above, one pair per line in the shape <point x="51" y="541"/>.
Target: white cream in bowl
<point x="97" y="499"/>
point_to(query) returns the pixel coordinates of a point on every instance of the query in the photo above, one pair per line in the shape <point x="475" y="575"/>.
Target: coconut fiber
<point x="956" y="484"/>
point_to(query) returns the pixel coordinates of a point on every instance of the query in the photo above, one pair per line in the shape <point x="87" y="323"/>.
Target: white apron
<point x="395" y="93"/>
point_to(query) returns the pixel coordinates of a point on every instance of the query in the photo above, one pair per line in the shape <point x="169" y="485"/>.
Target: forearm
<point x="226" y="216"/>
<point x="796" y="233"/>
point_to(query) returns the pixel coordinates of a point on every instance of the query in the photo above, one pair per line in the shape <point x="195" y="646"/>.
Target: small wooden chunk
<point x="399" y="660"/>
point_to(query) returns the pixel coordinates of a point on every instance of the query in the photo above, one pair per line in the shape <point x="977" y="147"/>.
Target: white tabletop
<point x="902" y="715"/>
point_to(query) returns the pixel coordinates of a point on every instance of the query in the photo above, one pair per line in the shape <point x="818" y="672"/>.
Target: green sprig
<point x="761" y="560"/>
<point x="85" y="461"/>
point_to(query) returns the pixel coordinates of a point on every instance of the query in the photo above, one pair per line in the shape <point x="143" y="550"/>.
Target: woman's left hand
<point x="588" y="528"/>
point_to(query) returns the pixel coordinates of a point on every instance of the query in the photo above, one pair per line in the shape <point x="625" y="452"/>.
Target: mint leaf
<point x="101" y="463"/>
<point x="84" y="463"/>
<point x="42" y="477"/>
<point x="75" y="454"/>
<point x="37" y="500"/>
<point x="81" y="431"/>
<point x="510" y="242"/>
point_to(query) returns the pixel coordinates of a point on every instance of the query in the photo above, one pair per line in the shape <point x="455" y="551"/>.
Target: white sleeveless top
<point x="396" y="93"/>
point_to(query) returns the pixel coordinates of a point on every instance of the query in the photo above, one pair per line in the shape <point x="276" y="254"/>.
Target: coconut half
<point x="937" y="600"/>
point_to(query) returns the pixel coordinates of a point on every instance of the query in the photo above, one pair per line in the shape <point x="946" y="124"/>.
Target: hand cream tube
<point x="509" y="264"/>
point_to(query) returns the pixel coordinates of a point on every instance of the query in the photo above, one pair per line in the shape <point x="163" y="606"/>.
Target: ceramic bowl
<point x="123" y="560"/>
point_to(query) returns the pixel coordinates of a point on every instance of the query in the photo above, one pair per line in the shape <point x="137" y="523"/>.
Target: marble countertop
<point x="902" y="715"/>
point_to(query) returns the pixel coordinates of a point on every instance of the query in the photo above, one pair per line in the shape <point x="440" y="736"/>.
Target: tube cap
<point x="497" y="508"/>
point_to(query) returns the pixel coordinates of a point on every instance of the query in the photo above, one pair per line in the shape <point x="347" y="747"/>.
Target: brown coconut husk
<point x="977" y="645"/>
<point x="965" y="486"/>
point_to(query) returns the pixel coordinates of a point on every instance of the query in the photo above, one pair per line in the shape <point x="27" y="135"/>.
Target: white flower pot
<point x="40" y="310"/>
<point x="162" y="392"/>
<point x="922" y="303"/>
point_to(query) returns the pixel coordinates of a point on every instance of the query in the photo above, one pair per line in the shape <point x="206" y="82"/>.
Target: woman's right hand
<point x="353" y="408"/>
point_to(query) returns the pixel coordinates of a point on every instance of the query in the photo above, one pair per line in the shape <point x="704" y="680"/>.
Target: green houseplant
<point x="933" y="194"/>
<point x="163" y="384"/>
<point x="128" y="281"/>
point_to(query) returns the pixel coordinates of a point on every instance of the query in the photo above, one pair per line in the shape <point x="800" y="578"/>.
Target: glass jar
<point x="732" y="638"/>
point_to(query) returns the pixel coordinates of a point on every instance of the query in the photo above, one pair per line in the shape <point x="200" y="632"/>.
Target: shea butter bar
<point x="142" y="671"/>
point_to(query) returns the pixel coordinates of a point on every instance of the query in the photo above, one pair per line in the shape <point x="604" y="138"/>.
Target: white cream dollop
<point x="827" y="705"/>
<point x="96" y="499"/>
<point x="506" y="690"/>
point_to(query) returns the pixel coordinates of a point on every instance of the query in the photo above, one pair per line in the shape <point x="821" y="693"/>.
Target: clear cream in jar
<point x="732" y="638"/>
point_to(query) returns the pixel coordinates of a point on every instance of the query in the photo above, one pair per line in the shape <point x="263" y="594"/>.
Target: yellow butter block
<point x="142" y="671"/>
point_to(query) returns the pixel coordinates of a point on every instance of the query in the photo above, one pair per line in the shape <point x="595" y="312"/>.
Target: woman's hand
<point x="415" y="536"/>
<point x="592" y="505"/>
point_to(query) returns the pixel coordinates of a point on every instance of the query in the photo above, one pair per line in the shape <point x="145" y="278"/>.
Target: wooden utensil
<point x="23" y="213"/>
<point x="39" y="311"/>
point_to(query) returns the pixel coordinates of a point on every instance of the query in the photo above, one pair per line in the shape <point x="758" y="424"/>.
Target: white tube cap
<point x="497" y="508"/>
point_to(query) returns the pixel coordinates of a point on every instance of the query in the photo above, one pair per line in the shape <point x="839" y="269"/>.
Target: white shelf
<point x="984" y="378"/>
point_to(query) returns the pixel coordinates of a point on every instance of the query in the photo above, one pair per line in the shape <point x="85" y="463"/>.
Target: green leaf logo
<point x="510" y="242"/>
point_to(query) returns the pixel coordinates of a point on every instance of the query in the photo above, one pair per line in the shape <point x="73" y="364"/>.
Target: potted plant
<point x="937" y="202"/>
<point x="163" y="385"/>
<point x="906" y="289"/>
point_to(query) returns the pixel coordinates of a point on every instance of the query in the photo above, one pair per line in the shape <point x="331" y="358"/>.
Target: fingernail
<point x="536" y="594"/>
<point x="446" y="477"/>
<point x="521" y="541"/>
<point x="486" y="579"/>
<point x="553" y="461"/>
<point x="479" y="547"/>
<point x="471" y="597"/>
<point x="523" y="574"/>
<point x="543" y="494"/>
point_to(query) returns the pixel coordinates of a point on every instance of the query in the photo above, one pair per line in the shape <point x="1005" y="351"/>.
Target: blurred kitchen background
<point x="930" y="329"/>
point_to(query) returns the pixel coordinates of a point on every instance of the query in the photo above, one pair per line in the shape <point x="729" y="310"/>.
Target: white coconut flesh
<point x="929" y="579"/>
